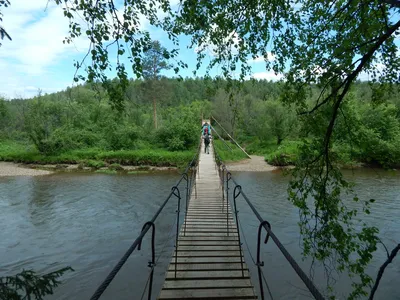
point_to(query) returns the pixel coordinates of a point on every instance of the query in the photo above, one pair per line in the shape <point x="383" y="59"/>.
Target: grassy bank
<point x="226" y="154"/>
<point x="285" y="154"/>
<point x="94" y="157"/>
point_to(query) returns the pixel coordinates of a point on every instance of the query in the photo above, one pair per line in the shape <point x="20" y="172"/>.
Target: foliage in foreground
<point x="30" y="285"/>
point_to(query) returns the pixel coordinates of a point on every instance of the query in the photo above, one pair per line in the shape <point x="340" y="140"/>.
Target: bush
<point x="120" y="136"/>
<point x="180" y="131"/>
<point x="95" y="164"/>
<point x="286" y="154"/>
<point x="228" y="155"/>
<point x="115" y="167"/>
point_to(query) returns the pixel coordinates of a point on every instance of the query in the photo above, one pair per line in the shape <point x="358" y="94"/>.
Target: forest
<point x="80" y="125"/>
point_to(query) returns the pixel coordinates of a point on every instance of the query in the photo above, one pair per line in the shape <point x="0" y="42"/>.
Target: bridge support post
<point x="153" y="254"/>
<point x="177" y="193"/>
<point x="260" y="263"/>
<point x="236" y="192"/>
<point x="185" y="176"/>
<point x="228" y="178"/>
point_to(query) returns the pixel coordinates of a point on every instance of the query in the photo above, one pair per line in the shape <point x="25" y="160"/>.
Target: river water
<point x="88" y="221"/>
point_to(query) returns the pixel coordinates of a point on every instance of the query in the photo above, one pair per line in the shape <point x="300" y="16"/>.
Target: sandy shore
<point x="255" y="164"/>
<point x="12" y="169"/>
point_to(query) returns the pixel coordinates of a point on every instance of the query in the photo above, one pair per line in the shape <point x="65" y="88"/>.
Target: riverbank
<point x="255" y="164"/>
<point x="94" y="158"/>
<point x="13" y="169"/>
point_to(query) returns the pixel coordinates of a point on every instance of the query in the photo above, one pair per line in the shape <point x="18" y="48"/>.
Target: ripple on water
<point x="88" y="221"/>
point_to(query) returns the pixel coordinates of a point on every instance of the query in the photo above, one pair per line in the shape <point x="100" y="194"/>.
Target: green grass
<point x="254" y="145"/>
<point x="94" y="157"/>
<point x="284" y="155"/>
<point x="228" y="155"/>
<point x="95" y="164"/>
<point x="115" y="167"/>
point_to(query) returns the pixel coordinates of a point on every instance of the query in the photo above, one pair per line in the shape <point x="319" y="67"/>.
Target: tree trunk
<point x="155" y="112"/>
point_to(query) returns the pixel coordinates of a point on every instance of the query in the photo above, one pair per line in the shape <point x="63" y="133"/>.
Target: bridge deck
<point x="209" y="257"/>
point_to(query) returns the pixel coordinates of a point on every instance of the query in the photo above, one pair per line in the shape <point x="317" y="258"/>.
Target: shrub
<point x="119" y="136"/>
<point x="286" y="154"/>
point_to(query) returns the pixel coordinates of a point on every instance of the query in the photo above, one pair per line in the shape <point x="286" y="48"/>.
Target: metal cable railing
<point x="226" y="178"/>
<point x="175" y="191"/>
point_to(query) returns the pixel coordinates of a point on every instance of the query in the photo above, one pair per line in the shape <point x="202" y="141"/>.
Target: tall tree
<point x="154" y="61"/>
<point x="329" y="43"/>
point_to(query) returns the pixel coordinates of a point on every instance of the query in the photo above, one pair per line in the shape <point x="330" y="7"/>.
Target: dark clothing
<point x="206" y="143"/>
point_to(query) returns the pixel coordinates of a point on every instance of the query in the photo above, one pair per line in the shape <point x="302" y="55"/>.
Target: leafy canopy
<point x="329" y="43"/>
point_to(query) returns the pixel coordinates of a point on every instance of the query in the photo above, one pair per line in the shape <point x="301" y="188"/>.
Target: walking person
<point x="206" y="129"/>
<point x="207" y="144"/>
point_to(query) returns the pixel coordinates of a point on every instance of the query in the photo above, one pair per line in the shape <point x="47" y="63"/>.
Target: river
<point x="88" y="221"/>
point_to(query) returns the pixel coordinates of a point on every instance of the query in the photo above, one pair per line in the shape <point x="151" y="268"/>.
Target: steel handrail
<point x="263" y="223"/>
<point x="150" y="224"/>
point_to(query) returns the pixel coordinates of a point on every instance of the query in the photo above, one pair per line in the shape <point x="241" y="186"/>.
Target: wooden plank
<point x="209" y="238"/>
<point x="207" y="266"/>
<point x="209" y="262"/>
<point x="228" y="293"/>
<point x="211" y="283"/>
<point x="207" y="254"/>
<point x="232" y="227"/>
<point x="207" y="243"/>
<point x="199" y="274"/>
<point x="206" y="259"/>
<point x="205" y="234"/>
<point x="208" y="248"/>
<point x="213" y="229"/>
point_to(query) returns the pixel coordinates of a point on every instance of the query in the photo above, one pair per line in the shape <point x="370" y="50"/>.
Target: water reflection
<point x="88" y="221"/>
<point x="269" y="195"/>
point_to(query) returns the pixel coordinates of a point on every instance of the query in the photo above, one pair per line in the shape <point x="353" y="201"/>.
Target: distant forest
<point x="82" y="118"/>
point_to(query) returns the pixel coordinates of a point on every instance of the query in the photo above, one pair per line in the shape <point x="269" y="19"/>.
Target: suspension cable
<point x="307" y="281"/>
<point x="103" y="286"/>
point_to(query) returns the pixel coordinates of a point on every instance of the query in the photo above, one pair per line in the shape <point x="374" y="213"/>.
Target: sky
<point x="36" y="58"/>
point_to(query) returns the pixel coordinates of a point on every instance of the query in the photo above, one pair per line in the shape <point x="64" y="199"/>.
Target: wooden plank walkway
<point x="209" y="261"/>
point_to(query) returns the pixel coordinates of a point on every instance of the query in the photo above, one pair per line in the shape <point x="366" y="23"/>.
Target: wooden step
<point x="208" y="262"/>
<point x="200" y="294"/>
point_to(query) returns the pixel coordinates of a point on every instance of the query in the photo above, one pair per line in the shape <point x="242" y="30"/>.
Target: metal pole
<point x="178" y="194"/>
<point x="187" y="199"/>
<point x="236" y="192"/>
<point x="259" y="262"/>
<point x="228" y="177"/>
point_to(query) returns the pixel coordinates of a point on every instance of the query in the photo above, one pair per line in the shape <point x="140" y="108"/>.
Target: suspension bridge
<point x="208" y="261"/>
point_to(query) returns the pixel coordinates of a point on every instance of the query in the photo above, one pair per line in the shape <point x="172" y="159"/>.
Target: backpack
<point x="206" y="131"/>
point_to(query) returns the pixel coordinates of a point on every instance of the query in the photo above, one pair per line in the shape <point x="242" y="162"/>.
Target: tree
<point x="28" y="284"/>
<point x="3" y="32"/>
<point x="280" y="121"/>
<point x="326" y="43"/>
<point x="154" y="61"/>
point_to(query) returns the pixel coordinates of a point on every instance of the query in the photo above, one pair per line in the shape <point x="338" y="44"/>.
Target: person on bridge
<point x="206" y="129"/>
<point x="207" y="144"/>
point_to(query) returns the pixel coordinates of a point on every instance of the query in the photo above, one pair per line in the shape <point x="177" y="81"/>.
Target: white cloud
<point x="267" y="75"/>
<point x="364" y="76"/>
<point x="36" y="50"/>
<point x="211" y="49"/>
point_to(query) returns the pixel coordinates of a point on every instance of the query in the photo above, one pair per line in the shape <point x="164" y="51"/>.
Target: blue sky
<point x="36" y="58"/>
